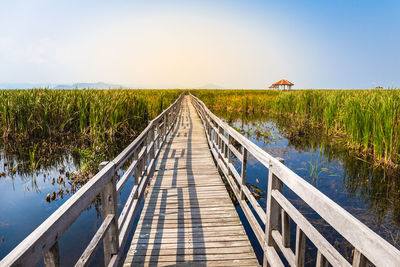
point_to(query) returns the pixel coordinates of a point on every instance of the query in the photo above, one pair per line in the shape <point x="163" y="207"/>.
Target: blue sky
<point x="186" y="44"/>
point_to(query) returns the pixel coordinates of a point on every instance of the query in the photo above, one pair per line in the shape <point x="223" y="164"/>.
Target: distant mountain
<point x="98" y="85"/>
<point x="211" y="86"/>
<point x="25" y="85"/>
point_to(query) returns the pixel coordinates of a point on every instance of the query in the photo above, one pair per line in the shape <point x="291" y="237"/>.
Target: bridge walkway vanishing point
<point x="188" y="217"/>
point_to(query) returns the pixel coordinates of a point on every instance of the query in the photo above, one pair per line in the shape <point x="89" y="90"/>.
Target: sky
<point x="189" y="44"/>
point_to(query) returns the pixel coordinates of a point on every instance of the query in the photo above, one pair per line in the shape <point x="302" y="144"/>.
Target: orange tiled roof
<point x="283" y="82"/>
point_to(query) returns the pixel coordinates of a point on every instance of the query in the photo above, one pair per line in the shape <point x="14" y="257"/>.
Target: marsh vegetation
<point x="366" y="121"/>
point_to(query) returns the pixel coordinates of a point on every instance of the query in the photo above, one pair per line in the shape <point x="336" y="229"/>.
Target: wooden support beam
<point x="272" y="210"/>
<point x="321" y="260"/>
<point x="285" y="228"/>
<point x="52" y="256"/>
<point x="243" y="173"/>
<point x="300" y="247"/>
<point x="359" y="259"/>
<point x="109" y="207"/>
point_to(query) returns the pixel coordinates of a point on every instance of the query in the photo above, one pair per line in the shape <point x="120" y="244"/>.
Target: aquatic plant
<point x="41" y="125"/>
<point x="33" y="163"/>
<point x="99" y="114"/>
<point x="368" y="121"/>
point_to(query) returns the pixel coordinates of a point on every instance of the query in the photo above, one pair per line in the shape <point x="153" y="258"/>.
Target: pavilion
<point x="282" y="85"/>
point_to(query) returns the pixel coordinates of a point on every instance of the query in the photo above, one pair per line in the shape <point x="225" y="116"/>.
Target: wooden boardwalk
<point x="188" y="218"/>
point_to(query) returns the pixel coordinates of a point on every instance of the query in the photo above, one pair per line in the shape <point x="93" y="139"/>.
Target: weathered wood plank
<point x="233" y="262"/>
<point x="188" y="216"/>
<point x="191" y="251"/>
<point x="52" y="257"/>
<point x="193" y="257"/>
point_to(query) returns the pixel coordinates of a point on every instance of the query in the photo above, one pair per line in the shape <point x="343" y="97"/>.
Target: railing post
<point x="359" y="259"/>
<point x="109" y="207"/>
<point x="52" y="256"/>
<point x="285" y="219"/>
<point x="137" y="170"/>
<point x="208" y="127"/>
<point x="244" y="171"/>
<point x="158" y="133"/>
<point x="144" y="157"/>
<point x="273" y="210"/>
<point x="321" y="260"/>
<point x="229" y="154"/>
<point x="220" y="133"/>
<point x="215" y="135"/>
<point x="165" y="127"/>
<point x="300" y="247"/>
<point x="151" y="142"/>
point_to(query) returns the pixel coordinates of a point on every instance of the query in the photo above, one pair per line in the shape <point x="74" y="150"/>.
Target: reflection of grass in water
<point x="34" y="186"/>
<point x="33" y="163"/>
<point x="315" y="167"/>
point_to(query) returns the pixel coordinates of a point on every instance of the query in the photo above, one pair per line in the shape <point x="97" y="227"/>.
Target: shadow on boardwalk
<point x="188" y="218"/>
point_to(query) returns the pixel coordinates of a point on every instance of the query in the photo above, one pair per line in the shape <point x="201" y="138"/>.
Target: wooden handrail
<point x="368" y="245"/>
<point x="114" y="230"/>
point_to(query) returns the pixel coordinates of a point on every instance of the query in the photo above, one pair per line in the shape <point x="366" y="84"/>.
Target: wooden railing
<point x="226" y="143"/>
<point x="114" y="230"/>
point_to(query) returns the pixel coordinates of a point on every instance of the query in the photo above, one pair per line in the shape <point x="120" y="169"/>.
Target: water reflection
<point x="370" y="193"/>
<point x="23" y="191"/>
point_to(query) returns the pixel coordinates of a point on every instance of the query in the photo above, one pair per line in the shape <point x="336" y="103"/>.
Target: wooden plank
<point x="273" y="210"/>
<point x="189" y="219"/>
<point x="188" y="216"/>
<point x="191" y="251"/>
<point x="193" y="215"/>
<point x="190" y="239"/>
<point x="359" y="260"/>
<point x="271" y="258"/>
<point x="188" y="196"/>
<point x="232" y="262"/>
<point x="52" y="256"/>
<point x="109" y="207"/>
<point x="300" y="247"/>
<point x="217" y="233"/>
<point x="285" y="219"/>
<point x="321" y="260"/>
<point x="193" y="257"/>
<point x="199" y="245"/>
<point x="199" y="225"/>
<point x="243" y="174"/>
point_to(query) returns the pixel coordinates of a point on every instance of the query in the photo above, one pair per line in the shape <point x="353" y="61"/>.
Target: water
<point x="23" y="206"/>
<point x="371" y="195"/>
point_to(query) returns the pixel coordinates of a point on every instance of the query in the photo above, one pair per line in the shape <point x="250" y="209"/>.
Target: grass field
<point x="99" y="114"/>
<point x="39" y="126"/>
<point x="367" y="120"/>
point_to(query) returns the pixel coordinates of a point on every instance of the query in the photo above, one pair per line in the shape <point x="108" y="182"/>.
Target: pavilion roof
<point x="283" y="82"/>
